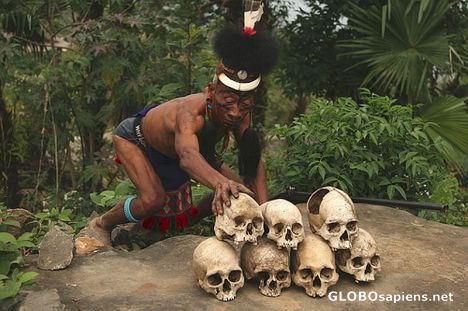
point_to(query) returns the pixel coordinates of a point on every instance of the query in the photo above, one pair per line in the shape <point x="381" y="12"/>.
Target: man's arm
<point x="191" y="161"/>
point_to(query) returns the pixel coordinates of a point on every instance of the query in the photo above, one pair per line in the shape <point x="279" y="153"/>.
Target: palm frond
<point x="447" y="119"/>
<point x="401" y="55"/>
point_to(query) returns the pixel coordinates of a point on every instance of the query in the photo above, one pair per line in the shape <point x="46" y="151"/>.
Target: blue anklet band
<point x="127" y="211"/>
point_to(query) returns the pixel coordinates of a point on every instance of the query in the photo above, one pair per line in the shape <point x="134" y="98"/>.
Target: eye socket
<point x="357" y="262"/>
<point x="239" y="221"/>
<point x="214" y="279"/>
<point x="296" y="228"/>
<point x="263" y="275"/>
<point x="306" y="273"/>
<point x="235" y="276"/>
<point x="326" y="273"/>
<point x="282" y="275"/>
<point x="278" y="228"/>
<point x="257" y="222"/>
<point x="375" y="261"/>
<point x="333" y="227"/>
<point x="351" y="226"/>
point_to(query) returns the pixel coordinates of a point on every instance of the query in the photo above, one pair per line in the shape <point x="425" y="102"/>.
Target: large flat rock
<point x="418" y="257"/>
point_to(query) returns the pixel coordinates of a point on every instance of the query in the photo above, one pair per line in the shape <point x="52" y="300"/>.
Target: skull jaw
<point x="365" y="277"/>
<point x="360" y="273"/>
<point x="266" y="290"/>
<point x="312" y="292"/>
<point x="222" y="296"/>
<point x="270" y="292"/>
<point x="335" y="242"/>
<point x="219" y="293"/>
<point x="283" y="243"/>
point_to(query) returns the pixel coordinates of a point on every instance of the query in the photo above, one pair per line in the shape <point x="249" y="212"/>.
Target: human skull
<point x="332" y="216"/>
<point x="284" y="222"/>
<point x="216" y="267"/>
<point x="362" y="260"/>
<point x="313" y="266"/>
<point x="268" y="264"/>
<point x="242" y="221"/>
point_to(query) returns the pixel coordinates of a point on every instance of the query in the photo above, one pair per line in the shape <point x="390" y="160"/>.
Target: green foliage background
<point x="70" y="71"/>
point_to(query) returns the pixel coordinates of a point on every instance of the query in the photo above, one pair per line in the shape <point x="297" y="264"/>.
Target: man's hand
<point x="222" y="193"/>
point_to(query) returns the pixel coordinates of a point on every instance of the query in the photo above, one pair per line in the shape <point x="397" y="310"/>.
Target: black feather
<point x="207" y="141"/>
<point x="256" y="54"/>
<point x="249" y="154"/>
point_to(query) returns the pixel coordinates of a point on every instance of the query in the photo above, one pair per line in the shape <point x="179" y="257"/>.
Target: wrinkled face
<point x="313" y="266"/>
<point x="268" y="264"/>
<point x="230" y="107"/>
<point x="332" y="215"/>
<point x="216" y="267"/>
<point x="241" y="222"/>
<point x="284" y="222"/>
<point x="362" y="260"/>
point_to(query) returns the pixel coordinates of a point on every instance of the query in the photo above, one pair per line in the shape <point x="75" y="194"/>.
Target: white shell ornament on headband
<point x="242" y="74"/>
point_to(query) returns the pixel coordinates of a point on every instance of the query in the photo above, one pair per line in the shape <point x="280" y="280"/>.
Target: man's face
<point x="230" y="107"/>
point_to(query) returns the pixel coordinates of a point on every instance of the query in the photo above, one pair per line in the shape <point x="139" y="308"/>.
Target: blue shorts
<point x="168" y="169"/>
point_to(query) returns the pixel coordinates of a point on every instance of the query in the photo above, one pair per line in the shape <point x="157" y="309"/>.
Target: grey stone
<point x="418" y="257"/>
<point x="55" y="250"/>
<point x="44" y="300"/>
<point x="64" y="227"/>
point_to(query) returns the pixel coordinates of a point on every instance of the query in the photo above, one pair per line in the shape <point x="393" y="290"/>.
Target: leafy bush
<point x="109" y="198"/>
<point x="11" y="258"/>
<point x="375" y="148"/>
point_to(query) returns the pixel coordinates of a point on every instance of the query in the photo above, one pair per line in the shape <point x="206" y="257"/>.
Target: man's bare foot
<point x="101" y="234"/>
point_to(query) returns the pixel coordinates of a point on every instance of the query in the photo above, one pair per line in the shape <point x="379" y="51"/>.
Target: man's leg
<point x="151" y="194"/>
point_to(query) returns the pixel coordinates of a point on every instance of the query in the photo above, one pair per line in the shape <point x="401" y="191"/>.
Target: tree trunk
<point x="9" y="163"/>
<point x="300" y="107"/>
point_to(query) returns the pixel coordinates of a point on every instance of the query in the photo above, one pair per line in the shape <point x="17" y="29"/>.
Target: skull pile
<point x="283" y="253"/>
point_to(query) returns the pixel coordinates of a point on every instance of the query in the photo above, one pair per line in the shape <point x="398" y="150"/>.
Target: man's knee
<point x="152" y="203"/>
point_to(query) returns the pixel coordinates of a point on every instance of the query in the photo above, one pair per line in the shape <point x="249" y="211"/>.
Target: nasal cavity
<point x="273" y="285"/>
<point x="344" y="236"/>
<point x="317" y="282"/>
<point x="226" y="286"/>
<point x="249" y="229"/>
<point x="288" y="235"/>
<point x="368" y="269"/>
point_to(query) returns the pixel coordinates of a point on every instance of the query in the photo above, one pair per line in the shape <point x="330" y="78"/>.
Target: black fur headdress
<point x="245" y="55"/>
<point x="257" y="54"/>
